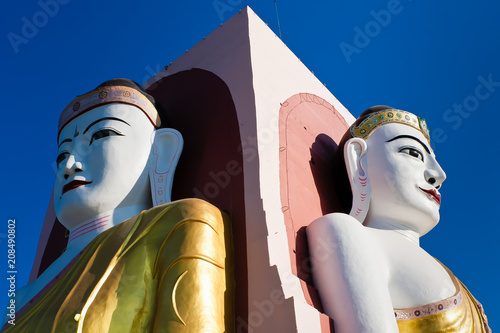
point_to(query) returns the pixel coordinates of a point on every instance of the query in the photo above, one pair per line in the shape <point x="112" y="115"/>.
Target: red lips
<point x="433" y="194"/>
<point x="74" y="184"/>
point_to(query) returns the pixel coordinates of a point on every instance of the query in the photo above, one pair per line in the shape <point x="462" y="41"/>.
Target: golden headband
<point x="106" y="95"/>
<point x="377" y="119"/>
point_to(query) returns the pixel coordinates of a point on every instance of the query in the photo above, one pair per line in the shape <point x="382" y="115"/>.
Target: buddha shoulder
<point x="338" y="224"/>
<point x="174" y="214"/>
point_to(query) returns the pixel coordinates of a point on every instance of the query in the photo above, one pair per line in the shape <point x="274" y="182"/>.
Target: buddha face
<point x="102" y="163"/>
<point x="404" y="177"/>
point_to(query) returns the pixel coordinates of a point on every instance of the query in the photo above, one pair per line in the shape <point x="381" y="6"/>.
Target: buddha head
<point x="386" y="162"/>
<point x="113" y="153"/>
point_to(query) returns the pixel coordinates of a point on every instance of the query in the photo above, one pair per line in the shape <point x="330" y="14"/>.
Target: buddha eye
<point x="102" y="134"/>
<point x="412" y="152"/>
<point x="61" y="157"/>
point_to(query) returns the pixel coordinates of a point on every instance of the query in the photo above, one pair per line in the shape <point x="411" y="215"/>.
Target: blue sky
<point x="436" y="59"/>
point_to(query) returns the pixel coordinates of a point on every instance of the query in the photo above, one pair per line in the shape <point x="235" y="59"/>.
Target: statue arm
<point x="192" y="293"/>
<point x="350" y="276"/>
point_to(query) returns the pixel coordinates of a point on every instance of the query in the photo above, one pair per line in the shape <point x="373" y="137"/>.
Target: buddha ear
<point x="355" y="158"/>
<point x="165" y="153"/>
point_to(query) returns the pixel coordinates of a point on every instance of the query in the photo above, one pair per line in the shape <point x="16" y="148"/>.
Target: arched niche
<point x="310" y="129"/>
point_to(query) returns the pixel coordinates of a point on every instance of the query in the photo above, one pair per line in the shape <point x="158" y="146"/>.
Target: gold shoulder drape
<point x="464" y="315"/>
<point x="165" y="270"/>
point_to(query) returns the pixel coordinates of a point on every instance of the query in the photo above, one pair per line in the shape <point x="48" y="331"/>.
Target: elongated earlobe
<point x="354" y="152"/>
<point x="166" y="150"/>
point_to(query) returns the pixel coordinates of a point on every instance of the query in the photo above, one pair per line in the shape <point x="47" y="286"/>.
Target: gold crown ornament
<point x="377" y="119"/>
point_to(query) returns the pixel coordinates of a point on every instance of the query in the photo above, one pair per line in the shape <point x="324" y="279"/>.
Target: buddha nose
<point x="72" y="167"/>
<point x="435" y="175"/>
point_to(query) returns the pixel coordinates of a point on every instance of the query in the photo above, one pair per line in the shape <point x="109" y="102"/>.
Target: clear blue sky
<point x="438" y="59"/>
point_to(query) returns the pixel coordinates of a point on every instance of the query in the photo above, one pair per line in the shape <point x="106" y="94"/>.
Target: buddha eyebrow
<point x="67" y="140"/>
<point x="413" y="138"/>
<point x="102" y="119"/>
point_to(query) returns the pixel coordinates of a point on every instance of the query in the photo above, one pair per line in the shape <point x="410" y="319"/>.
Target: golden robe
<point x="164" y="270"/>
<point x="460" y="313"/>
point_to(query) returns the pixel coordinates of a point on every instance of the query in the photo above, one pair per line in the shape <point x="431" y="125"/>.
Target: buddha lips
<point x="74" y="184"/>
<point x="433" y="194"/>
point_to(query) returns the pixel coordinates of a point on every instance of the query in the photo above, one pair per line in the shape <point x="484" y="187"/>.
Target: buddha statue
<point x="135" y="262"/>
<point x="367" y="263"/>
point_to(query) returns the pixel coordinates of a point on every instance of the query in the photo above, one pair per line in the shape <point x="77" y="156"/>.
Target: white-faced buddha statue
<point x="135" y="262"/>
<point x="369" y="269"/>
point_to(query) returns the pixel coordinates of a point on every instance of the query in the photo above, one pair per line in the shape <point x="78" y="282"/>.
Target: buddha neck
<point x="81" y="235"/>
<point x="394" y="226"/>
